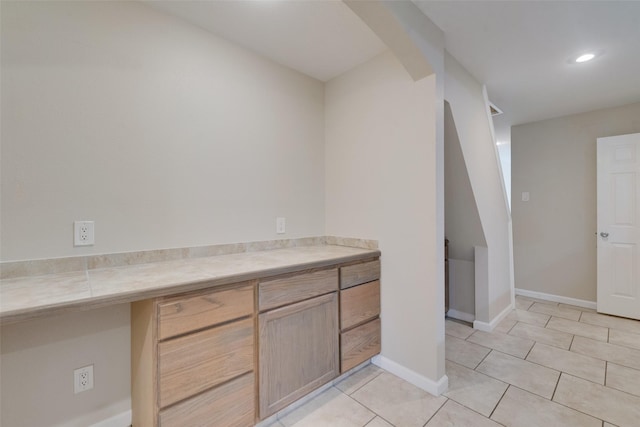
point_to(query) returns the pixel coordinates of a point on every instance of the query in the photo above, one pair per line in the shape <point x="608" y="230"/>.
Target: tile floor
<point x="546" y="364"/>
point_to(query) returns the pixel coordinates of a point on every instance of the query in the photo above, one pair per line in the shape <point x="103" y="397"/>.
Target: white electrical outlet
<point x="83" y="379"/>
<point x="83" y="233"/>
<point x="280" y="225"/>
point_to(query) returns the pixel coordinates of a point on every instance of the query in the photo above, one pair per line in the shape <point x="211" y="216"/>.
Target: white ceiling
<point x="519" y="49"/>
<point x="322" y="39"/>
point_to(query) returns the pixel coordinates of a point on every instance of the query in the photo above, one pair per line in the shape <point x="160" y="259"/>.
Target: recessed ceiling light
<point x="586" y="57"/>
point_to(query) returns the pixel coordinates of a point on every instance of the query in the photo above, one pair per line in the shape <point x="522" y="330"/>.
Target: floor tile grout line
<point x="438" y="410"/>
<point x="371" y="379"/>
<point x="558" y="403"/>
<point x="556" y="387"/>
<point x="592" y="416"/>
<point x="499" y="400"/>
<point x="483" y="359"/>
<point x="471" y="409"/>
<point x="365" y="406"/>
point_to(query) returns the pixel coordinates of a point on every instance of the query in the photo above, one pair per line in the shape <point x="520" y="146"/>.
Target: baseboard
<point x="420" y="381"/>
<point x="461" y="315"/>
<point x="488" y="327"/>
<point x="556" y="298"/>
<point x="120" y="420"/>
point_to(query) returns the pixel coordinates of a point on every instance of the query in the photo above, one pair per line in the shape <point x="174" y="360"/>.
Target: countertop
<point x="31" y="297"/>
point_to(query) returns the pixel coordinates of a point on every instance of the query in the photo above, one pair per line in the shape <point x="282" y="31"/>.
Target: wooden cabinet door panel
<point x="359" y="304"/>
<point x="229" y="405"/>
<point x="196" y="362"/>
<point x="357" y="274"/>
<point x="179" y="315"/>
<point x="298" y="351"/>
<point x="286" y="290"/>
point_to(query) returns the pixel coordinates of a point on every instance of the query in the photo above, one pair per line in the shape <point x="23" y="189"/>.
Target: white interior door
<point x="619" y="225"/>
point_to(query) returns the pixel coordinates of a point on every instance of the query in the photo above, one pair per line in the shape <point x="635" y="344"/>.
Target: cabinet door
<point x="298" y="351"/>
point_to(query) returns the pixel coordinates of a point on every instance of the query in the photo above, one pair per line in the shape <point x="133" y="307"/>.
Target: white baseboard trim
<point x="120" y="420"/>
<point x="420" y="381"/>
<point x="488" y="327"/>
<point x="556" y="298"/>
<point x="461" y="315"/>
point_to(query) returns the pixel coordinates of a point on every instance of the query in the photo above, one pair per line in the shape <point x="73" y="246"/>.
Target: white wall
<point x="163" y="134"/>
<point x="37" y="363"/>
<point x="469" y="109"/>
<point x="381" y="184"/>
<point x="554" y="233"/>
<point x="462" y="222"/>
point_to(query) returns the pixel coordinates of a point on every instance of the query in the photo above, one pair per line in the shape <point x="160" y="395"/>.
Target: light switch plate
<point x="280" y="225"/>
<point x="525" y="196"/>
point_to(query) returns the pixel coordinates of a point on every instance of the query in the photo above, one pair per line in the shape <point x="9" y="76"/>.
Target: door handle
<point x="604" y="235"/>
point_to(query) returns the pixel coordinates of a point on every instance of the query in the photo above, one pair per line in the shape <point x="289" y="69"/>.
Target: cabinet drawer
<point x="186" y="313"/>
<point x="359" y="303"/>
<point x="230" y="405"/>
<point x="196" y="362"/>
<point x="359" y="344"/>
<point x="286" y="290"/>
<point x="356" y="274"/>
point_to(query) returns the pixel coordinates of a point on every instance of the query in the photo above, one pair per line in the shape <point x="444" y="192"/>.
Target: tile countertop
<point x="31" y="297"/>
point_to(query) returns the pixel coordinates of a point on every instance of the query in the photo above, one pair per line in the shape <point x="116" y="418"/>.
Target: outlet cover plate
<point x="84" y="233"/>
<point x="83" y="379"/>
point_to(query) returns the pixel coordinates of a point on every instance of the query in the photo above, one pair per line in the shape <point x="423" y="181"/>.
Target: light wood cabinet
<point x="281" y="291"/>
<point x="190" y="353"/>
<point x="298" y="351"/>
<point x="360" y="325"/>
<point x="195" y="356"/>
<point x="357" y="274"/>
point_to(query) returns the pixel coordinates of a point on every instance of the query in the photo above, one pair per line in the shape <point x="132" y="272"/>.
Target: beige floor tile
<point x="623" y="378"/>
<point x="457" y="330"/>
<point x="505" y="343"/>
<point x="378" y="422"/>
<point x="542" y="301"/>
<point x="519" y="408"/>
<point x="523" y="303"/>
<point x="333" y="408"/>
<point x="526" y="375"/>
<point x="620" y="323"/>
<point x="610" y="352"/>
<point x="595" y="332"/>
<point x="543" y="335"/>
<point x="505" y="326"/>
<point x="397" y="401"/>
<point x="454" y="414"/>
<point x="567" y="361"/>
<point x="606" y="424"/>
<point x="358" y="379"/>
<point x="528" y="317"/>
<point x="463" y="352"/>
<point x="556" y="310"/>
<point x="627" y="339"/>
<point x="473" y="389"/>
<point x="610" y="405"/>
<point x="575" y="307"/>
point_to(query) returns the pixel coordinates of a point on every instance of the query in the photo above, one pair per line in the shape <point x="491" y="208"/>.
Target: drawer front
<point x="187" y="313"/>
<point x="196" y="362"/>
<point x="229" y="405"/>
<point x="357" y="274"/>
<point x="286" y="290"/>
<point x="359" y="304"/>
<point x="359" y="344"/>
